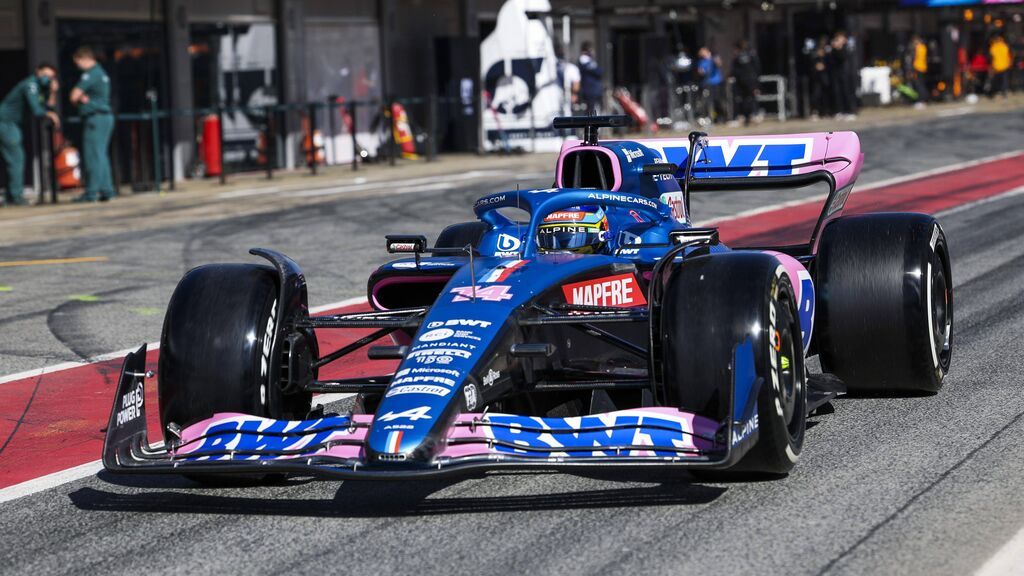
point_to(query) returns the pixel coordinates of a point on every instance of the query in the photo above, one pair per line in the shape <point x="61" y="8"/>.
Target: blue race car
<point x="589" y="324"/>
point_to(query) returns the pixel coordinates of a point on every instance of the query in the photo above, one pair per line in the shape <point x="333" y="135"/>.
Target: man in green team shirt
<point x="92" y="96"/>
<point x="34" y="96"/>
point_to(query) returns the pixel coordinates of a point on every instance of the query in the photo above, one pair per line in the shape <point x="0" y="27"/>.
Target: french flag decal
<point x="500" y="273"/>
<point x="394" y="442"/>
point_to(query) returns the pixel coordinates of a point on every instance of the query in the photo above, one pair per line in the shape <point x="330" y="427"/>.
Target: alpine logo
<point x="414" y="414"/>
<point x="621" y="291"/>
<point x="741" y="433"/>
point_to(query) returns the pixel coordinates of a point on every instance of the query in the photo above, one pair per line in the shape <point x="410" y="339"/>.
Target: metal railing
<point x="258" y="138"/>
<point x="779" y="96"/>
<point x="689" y="104"/>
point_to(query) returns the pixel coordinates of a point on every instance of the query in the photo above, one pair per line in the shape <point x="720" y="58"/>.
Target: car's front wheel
<point x="217" y="348"/>
<point x="729" y="324"/>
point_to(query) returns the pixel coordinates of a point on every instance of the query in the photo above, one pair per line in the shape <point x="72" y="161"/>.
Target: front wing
<point x="332" y="446"/>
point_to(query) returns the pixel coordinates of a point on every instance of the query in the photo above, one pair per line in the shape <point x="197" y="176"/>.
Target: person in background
<point x="746" y="69"/>
<point x="820" y="88"/>
<point x="92" y="96"/>
<point x="568" y="79"/>
<point x="34" y="96"/>
<point x="1001" y="60"/>
<point x="978" y="68"/>
<point x="709" y="72"/>
<point x="843" y="91"/>
<point x="591" y="82"/>
<point x="918" y="69"/>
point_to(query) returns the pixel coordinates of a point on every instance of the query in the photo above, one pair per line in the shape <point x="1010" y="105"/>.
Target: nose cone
<point x="429" y="388"/>
<point x="461" y="336"/>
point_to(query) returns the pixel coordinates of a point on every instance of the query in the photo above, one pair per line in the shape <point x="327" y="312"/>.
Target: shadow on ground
<point x="360" y="499"/>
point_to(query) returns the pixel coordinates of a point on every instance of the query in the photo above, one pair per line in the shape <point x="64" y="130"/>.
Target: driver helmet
<point x="581" y="230"/>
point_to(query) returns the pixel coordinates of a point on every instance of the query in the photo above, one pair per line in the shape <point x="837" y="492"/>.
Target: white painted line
<point x="29" y="487"/>
<point x="408" y="186"/>
<point x="534" y="175"/>
<point x="325" y="399"/>
<point x="50" y="481"/>
<point x="151" y="346"/>
<point x="937" y="171"/>
<point x="68" y="365"/>
<point x="423" y="188"/>
<point x="962" y="111"/>
<point x="817" y="198"/>
<point x="247" y="192"/>
<point x="338" y="304"/>
<point x="868" y="187"/>
<point x="1008" y="560"/>
<point x="976" y="203"/>
<point x="44" y="217"/>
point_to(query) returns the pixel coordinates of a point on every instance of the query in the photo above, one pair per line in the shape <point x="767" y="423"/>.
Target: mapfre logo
<point x="565" y="216"/>
<point x="620" y="291"/>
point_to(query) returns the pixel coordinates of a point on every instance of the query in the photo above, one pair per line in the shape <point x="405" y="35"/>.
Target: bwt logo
<point x="739" y="159"/>
<point x="592" y="435"/>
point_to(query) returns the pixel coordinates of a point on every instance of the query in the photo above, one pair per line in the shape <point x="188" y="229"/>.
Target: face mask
<point x="44" y="82"/>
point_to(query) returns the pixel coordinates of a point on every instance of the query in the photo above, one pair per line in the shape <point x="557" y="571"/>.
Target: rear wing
<point x="762" y="162"/>
<point x="746" y="157"/>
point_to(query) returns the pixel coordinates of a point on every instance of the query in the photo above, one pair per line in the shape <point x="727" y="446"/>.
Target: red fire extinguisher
<point x="209" y="145"/>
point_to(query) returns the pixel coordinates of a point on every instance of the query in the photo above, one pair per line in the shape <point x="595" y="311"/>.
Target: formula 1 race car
<point x="588" y="324"/>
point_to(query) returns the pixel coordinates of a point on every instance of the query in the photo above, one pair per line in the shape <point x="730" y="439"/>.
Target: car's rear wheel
<point x="885" y="303"/>
<point x="217" y="348"/>
<point x="729" y="320"/>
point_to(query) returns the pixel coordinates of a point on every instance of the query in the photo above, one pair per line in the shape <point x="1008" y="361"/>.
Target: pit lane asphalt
<point x="893" y="485"/>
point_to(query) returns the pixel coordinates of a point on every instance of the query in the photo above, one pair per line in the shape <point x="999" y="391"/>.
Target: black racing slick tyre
<point x="216" y="345"/>
<point x="719" y="306"/>
<point x="885" y="303"/>
<point x="461" y="235"/>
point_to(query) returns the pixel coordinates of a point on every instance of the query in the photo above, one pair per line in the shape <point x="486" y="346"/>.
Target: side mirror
<point x="402" y="244"/>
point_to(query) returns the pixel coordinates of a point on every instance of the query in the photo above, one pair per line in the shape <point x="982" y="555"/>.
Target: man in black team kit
<point x="34" y="96"/>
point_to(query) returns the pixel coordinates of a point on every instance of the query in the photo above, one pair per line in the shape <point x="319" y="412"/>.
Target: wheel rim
<point x="941" y="312"/>
<point x="790" y="381"/>
<point x="790" y="366"/>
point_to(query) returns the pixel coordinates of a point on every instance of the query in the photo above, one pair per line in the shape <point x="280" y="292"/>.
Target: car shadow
<point x="377" y="499"/>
